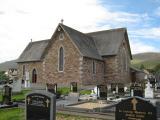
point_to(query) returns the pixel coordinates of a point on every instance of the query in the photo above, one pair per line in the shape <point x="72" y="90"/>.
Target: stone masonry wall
<point x="88" y="78"/>
<point x="29" y="66"/>
<point x="72" y="60"/>
<point x="117" y="68"/>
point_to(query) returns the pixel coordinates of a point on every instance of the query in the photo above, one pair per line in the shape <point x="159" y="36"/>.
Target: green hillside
<point x="149" y="60"/>
<point x="9" y="64"/>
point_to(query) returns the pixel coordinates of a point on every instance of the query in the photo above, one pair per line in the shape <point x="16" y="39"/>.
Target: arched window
<point x="124" y="59"/>
<point x="24" y="69"/>
<point x="93" y="67"/>
<point x="61" y="59"/>
<point x="34" y="76"/>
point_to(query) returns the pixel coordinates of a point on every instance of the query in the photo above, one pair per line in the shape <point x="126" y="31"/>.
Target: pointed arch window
<point x="34" y="76"/>
<point x="24" y="70"/>
<point x="93" y="67"/>
<point x="61" y="59"/>
<point x="124" y="58"/>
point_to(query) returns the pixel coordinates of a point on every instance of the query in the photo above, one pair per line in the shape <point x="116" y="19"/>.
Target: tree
<point x="3" y="76"/>
<point x="157" y="68"/>
<point x="142" y="67"/>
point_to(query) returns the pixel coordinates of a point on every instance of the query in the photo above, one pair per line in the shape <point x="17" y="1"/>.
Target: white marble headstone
<point x="149" y="91"/>
<point x="96" y="91"/>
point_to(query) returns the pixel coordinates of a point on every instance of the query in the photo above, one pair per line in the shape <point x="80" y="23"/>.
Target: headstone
<point x="120" y="88"/>
<point x="52" y="88"/>
<point x="40" y="106"/>
<point x="113" y="87"/>
<point x="96" y="90"/>
<point x="17" y="86"/>
<point x="6" y="95"/>
<point x="148" y="91"/>
<point x="102" y="91"/>
<point x="73" y="87"/>
<point x="135" y="108"/>
<point x="93" y="95"/>
<point x="136" y="91"/>
<point x="125" y="89"/>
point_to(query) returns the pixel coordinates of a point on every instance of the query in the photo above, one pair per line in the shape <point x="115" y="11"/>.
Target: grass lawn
<point x="12" y="114"/>
<point x="20" y="96"/>
<point x="17" y="96"/>
<point x="18" y="114"/>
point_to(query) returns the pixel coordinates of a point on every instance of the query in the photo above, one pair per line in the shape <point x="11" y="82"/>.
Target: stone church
<point x="70" y="56"/>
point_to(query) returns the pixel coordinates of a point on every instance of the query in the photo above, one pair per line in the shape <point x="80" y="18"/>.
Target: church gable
<point x="62" y="59"/>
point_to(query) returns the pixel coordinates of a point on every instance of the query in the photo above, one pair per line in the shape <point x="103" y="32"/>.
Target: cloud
<point x="157" y="11"/>
<point x="139" y="47"/>
<point x="37" y="19"/>
<point x="151" y="33"/>
<point x="2" y="12"/>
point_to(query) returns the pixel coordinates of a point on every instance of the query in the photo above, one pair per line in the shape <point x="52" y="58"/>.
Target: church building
<point x="87" y="59"/>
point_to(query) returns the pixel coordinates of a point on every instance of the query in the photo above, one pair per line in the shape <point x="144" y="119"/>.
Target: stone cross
<point x="47" y="101"/>
<point x="134" y="102"/>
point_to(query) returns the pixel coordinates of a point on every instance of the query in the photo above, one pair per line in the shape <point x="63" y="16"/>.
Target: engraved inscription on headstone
<point x="135" y="108"/>
<point x="40" y="106"/>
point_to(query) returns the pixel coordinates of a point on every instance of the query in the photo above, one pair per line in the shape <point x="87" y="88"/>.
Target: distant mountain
<point x="8" y="64"/>
<point x="149" y="59"/>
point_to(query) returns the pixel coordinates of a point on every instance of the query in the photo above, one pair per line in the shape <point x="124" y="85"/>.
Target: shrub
<point x="84" y="92"/>
<point x="63" y="90"/>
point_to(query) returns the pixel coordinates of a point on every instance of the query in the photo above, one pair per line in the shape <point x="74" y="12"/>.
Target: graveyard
<point x="92" y="86"/>
<point x="138" y="103"/>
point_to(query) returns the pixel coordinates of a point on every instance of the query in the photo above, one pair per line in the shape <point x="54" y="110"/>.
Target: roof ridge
<point x="110" y="30"/>
<point x="40" y="41"/>
<point x="72" y="29"/>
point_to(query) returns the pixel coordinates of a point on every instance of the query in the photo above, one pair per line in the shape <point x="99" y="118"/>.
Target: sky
<point x="23" y="20"/>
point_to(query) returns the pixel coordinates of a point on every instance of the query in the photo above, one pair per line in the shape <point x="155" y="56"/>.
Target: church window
<point x="124" y="59"/>
<point x="24" y="69"/>
<point x="61" y="59"/>
<point x="93" y="67"/>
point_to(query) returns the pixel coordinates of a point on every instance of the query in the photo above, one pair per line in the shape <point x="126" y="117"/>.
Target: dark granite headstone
<point x="6" y="95"/>
<point x="73" y="87"/>
<point x="52" y="88"/>
<point x="40" y="106"/>
<point x="135" y="108"/>
<point x="120" y="88"/>
<point x="137" y="91"/>
<point x="102" y="91"/>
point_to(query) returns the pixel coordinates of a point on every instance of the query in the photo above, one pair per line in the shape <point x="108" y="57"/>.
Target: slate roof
<point x="84" y="43"/>
<point x="34" y="51"/>
<point x="108" y="41"/>
<point x="92" y="45"/>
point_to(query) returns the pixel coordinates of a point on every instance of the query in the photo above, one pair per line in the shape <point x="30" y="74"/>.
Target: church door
<point x="34" y="76"/>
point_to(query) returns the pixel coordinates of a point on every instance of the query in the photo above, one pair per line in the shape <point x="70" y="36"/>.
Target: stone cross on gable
<point x="47" y="101"/>
<point x="62" y="21"/>
<point x="134" y="102"/>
